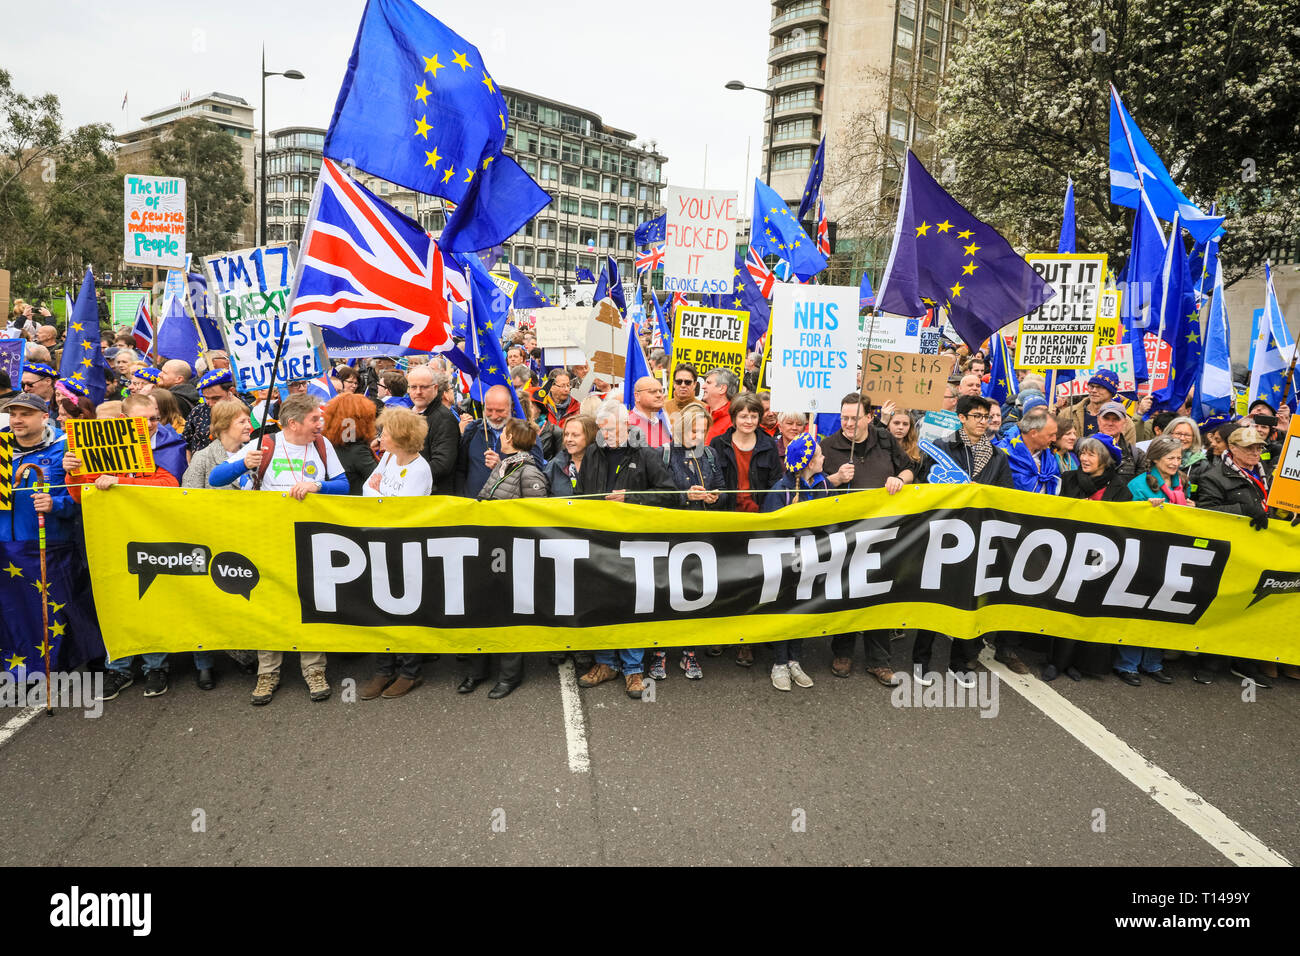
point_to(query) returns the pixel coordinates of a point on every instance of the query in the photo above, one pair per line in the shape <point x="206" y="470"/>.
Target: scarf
<point x="1257" y="480"/>
<point x="981" y="451"/>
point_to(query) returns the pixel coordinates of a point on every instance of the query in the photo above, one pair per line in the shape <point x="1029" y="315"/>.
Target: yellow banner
<point x="178" y="569"/>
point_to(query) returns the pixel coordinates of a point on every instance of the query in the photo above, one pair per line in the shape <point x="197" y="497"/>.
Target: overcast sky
<point x="657" y="74"/>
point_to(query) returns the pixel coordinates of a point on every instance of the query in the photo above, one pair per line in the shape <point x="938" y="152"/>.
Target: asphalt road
<point x="720" y="771"/>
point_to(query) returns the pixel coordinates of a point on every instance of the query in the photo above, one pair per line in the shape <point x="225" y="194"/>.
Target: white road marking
<point x="575" y="725"/>
<point x="1189" y="808"/>
<point x="16" y="723"/>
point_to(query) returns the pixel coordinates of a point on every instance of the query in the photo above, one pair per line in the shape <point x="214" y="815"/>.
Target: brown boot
<point x="374" y="687"/>
<point x="842" y="666"/>
<point x="885" y="676"/>
<point x="597" y="675"/>
<point x="635" y="686"/>
<point x="745" y="656"/>
<point x="402" y="686"/>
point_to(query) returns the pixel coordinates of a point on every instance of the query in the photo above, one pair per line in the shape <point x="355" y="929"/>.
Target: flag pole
<point x="40" y="487"/>
<point x="871" y="331"/>
<point x="275" y="365"/>
<point x="1164" y="302"/>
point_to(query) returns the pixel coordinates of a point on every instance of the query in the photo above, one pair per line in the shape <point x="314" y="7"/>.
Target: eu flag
<point x="1066" y="242"/>
<point x="744" y="295"/>
<point x="177" y="336"/>
<point x="648" y="233"/>
<point x="776" y="232"/>
<point x="583" y="274"/>
<point x="615" y="285"/>
<point x="83" y="356"/>
<point x="665" y="330"/>
<point x="527" y="294"/>
<point x="73" y="634"/>
<point x="1175" y="320"/>
<point x="488" y="310"/>
<point x="419" y="108"/>
<point x="1145" y="260"/>
<point x="1214" y="387"/>
<point x="942" y="255"/>
<point x="1003" y="384"/>
<point x="813" y="187"/>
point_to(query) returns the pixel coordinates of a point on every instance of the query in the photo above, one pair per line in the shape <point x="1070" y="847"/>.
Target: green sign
<point x="123" y="306"/>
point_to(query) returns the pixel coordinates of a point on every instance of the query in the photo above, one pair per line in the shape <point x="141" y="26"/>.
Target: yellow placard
<point x="711" y="338"/>
<point x="111" y="446"/>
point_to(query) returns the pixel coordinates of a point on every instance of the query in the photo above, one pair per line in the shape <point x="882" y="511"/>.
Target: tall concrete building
<point x="863" y="73"/>
<point x="231" y="114"/>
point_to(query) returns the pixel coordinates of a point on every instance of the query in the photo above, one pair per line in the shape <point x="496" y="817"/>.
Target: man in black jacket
<point x="480" y="443"/>
<point x="442" y="441"/>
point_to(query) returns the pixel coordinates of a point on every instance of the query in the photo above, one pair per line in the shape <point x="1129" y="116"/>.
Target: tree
<point x="60" y="195"/>
<point x="215" y="194"/>
<point x="1025" y="102"/>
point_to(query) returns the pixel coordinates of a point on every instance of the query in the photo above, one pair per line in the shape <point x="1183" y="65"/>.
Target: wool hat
<point x="1116" y="453"/>
<point x="148" y="373"/>
<point x="41" y="369"/>
<point x="1107" y="379"/>
<point x="216" y="376"/>
<point x="800" y="452"/>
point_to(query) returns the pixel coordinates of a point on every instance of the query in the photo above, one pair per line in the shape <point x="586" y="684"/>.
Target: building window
<point x="799" y="99"/>
<point x="625" y="189"/>
<point x="794" y="129"/>
<point x="545" y="229"/>
<point x="571" y="152"/>
<point x="791" y="159"/>
<point x="546" y="258"/>
<point x="608" y="184"/>
<point x="550" y="172"/>
<point x="568" y="176"/>
<point x="606" y="239"/>
<point x="569" y="204"/>
<point x="589" y="209"/>
<point x="608" y="211"/>
<point x="626" y="215"/>
<point x="590" y="181"/>
<point x="523" y="256"/>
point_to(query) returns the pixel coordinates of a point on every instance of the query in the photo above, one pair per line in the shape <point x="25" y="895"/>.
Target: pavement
<point x="723" y="771"/>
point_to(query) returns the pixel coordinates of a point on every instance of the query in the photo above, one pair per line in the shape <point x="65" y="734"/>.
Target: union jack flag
<point x="760" y="273"/>
<point x="823" y="230"/>
<point x="652" y="258"/>
<point x="142" y="331"/>
<point x="369" y="273"/>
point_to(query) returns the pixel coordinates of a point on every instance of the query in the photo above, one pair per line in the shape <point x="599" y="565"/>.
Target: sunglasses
<point x="683" y="381"/>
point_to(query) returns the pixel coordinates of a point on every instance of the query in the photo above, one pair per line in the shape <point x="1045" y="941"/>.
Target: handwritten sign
<point x="710" y="338"/>
<point x="1062" y="332"/>
<point x="154" y="219"/>
<point x="814" y="352"/>
<point x="123" y="306"/>
<point x="907" y="380"/>
<point x="1117" y="358"/>
<point x="111" y="446"/>
<point x="700" y="239"/>
<point x="251" y="289"/>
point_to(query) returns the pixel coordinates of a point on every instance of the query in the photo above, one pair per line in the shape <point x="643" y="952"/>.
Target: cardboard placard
<point x="111" y="446"/>
<point x="700" y="239"/>
<point x="1062" y="332"/>
<point x="154" y="220"/>
<point x="4" y="293"/>
<point x="906" y="379"/>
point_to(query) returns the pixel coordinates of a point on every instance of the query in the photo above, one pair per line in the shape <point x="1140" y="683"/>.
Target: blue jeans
<point x="1130" y="658"/>
<point x="157" y="662"/>
<point x="626" y="660"/>
<point x="783" y="652"/>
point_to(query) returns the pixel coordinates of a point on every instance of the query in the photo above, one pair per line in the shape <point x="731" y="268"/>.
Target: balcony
<point x="803" y="13"/>
<point x="802" y="77"/>
<point x="807" y="109"/>
<point x="802" y="139"/>
<point x="793" y="48"/>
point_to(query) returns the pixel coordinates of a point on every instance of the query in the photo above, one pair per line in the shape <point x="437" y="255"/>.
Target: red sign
<point x="1157" y="365"/>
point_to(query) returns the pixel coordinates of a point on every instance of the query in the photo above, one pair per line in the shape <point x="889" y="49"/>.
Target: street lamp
<point x="771" y="118"/>
<point x="290" y="75"/>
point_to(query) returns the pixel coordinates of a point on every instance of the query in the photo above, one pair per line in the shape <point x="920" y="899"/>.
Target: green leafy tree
<point x="1025" y="102"/>
<point x="215" y="194"/>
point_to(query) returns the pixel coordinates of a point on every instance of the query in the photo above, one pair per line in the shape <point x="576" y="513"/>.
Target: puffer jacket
<point x="516" y="476"/>
<point x="20" y="524"/>
<point x="1219" y="488"/>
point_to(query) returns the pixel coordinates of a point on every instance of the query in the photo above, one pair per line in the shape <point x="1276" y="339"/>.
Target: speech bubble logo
<point x="148" y="559"/>
<point x="1275" y="582"/>
<point x="235" y="574"/>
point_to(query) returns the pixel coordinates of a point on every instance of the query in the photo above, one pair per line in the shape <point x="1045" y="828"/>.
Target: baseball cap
<point x="1112" y="408"/>
<point x="27" y="400"/>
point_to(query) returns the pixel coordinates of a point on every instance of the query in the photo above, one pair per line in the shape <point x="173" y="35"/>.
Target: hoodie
<point x="21" y="524"/>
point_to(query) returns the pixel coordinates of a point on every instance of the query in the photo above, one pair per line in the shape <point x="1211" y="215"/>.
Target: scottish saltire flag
<point x="527" y="294"/>
<point x="764" y="277"/>
<point x="665" y="330"/>
<point x="866" y="294"/>
<point x="1130" y="153"/>
<point x="746" y="295"/>
<point x="142" y="330"/>
<point x="369" y="273"/>
<point x="1066" y="242"/>
<point x="823" y="230"/>
<point x="1174" y="319"/>
<point x="652" y="258"/>
<point x="615" y="285"/>
<point x="776" y="232"/>
<point x="583" y="274"/>
<point x="83" y="354"/>
<point x="942" y="255"/>
<point x="418" y="107"/>
<point x="813" y="187"/>
<point x="1003" y="384"/>
<point x="1214" y="395"/>
<point x="653" y="232"/>
<point x="73" y="633"/>
<point x="1141" y="275"/>
<point x="1270" y="360"/>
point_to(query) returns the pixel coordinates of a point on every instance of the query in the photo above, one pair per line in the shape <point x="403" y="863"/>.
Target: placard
<point x="892" y="332"/>
<point x="1158" y="360"/>
<point x="814" y="353"/>
<point x="558" y="328"/>
<point x="4" y="294"/>
<point x="1117" y="358"/>
<point x="123" y="306"/>
<point x="1062" y="332"/>
<point x="710" y="338"/>
<point x="936" y="425"/>
<point x="505" y="284"/>
<point x="111" y="446"/>
<point x="908" y="380"/>
<point x="700" y="240"/>
<point x="1108" y="317"/>
<point x="251" y="289"/>
<point x="154" y="220"/>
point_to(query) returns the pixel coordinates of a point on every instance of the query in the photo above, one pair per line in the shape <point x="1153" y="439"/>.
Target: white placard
<point x="815" y="353"/>
<point x="154" y="221"/>
<point x="700" y="240"/>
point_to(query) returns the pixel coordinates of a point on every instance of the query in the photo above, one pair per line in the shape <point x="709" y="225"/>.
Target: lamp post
<point x="287" y="74"/>
<point x="771" y="119"/>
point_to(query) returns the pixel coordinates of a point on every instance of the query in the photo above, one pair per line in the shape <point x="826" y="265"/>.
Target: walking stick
<point x="40" y="487"/>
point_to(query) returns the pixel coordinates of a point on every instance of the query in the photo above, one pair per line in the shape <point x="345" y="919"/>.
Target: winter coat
<point x="997" y="471"/>
<point x="515" y="476"/>
<point x="683" y="469"/>
<point x="441" y="445"/>
<point x="20" y="523"/>
<point x="876" y="457"/>
<point x="1219" y="488"/>
<point x="471" y="472"/>
<point x="765" y="466"/>
<point x="641" y="469"/>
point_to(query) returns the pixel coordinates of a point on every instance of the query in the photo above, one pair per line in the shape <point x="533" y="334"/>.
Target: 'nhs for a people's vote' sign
<point x="251" y="291"/>
<point x="814" y="361"/>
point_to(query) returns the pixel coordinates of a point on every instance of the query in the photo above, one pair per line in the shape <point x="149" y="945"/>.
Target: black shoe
<point x="1160" y="677"/>
<point x="468" y="684"/>
<point x="155" y="683"/>
<point x="1251" y="673"/>
<point x="1130" y="678"/>
<point x="555" y="660"/>
<point x="206" y="679"/>
<point x="502" y="689"/>
<point x="1050" y="672"/>
<point x="1202" y="676"/>
<point x="114" y="684"/>
<point x="1073" y="673"/>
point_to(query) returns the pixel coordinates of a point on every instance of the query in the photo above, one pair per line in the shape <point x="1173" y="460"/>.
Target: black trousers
<point x="876" y="644"/>
<point x="510" y="667"/>
<point x="399" y="665"/>
<point x="963" y="650"/>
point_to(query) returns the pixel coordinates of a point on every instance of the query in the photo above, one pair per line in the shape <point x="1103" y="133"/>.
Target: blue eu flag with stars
<point x="944" y="256"/>
<point x="83" y="357"/>
<point x="813" y="187"/>
<point x="776" y="232"/>
<point x="419" y="108"/>
<point x="527" y="294"/>
<point x="746" y="297"/>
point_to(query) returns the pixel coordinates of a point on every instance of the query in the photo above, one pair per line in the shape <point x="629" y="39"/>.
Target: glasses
<point x="650" y="388"/>
<point x="28" y="386"/>
<point x="683" y="381"/>
<point x="978" y="416"/>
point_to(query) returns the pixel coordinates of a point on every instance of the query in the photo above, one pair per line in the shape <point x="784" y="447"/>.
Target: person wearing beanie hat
<point x="214" y="385"/>
<point x="143" y="380"/>
<point x="1103" y="387"/>
<point x="39" y="378"/>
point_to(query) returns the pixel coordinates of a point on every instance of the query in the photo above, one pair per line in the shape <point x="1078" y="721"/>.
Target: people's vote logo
<point x="309" y="469"/>
<point x="230" y="571"/>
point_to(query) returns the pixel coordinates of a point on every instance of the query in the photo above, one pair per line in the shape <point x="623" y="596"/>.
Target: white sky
<point x="658" y="74"/>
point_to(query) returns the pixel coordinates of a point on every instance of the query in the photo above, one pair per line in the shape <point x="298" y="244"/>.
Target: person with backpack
<point x="297" y="461"/>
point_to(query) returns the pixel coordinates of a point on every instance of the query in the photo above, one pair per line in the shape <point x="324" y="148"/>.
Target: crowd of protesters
<point x="692" y="438"/>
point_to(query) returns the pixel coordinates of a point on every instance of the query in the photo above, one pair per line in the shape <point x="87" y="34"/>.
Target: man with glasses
<point x="38" y="379"/>
<point x="442" y="439"/>
<point x="683" y="391"/>
<point x="648" y="415"/>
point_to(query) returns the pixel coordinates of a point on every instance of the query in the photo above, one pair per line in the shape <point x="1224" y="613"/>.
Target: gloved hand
<point x="1260" y="521"/>
<point x="1295" y="519"/>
